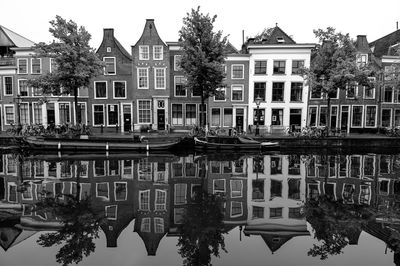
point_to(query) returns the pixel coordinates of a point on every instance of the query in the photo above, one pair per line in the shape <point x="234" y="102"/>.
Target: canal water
<point x="276" y="208"/>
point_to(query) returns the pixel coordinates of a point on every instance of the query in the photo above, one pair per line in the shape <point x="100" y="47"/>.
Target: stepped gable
<point x="9" y="38"/>
<point x="109" y="40"/>
<point x="381" y="46"/>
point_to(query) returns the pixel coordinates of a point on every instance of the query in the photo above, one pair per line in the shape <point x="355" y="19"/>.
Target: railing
<point x="7" y="61"/>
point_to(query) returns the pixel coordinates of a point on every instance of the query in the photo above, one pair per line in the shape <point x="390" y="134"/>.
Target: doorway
<point x="239" y="119"/>
<point x="160" y="119"/>
<point x="127" y="118"/>
<point x="344" y="118"/>
<point x="51" y="116"/>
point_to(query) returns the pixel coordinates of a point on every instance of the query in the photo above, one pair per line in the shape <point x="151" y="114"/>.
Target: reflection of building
<point x="276" y="193"/>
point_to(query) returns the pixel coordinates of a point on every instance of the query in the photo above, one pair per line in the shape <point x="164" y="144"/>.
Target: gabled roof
<point x="277" y="36"/>
<point x="12" y="39"/>
<point x="362" y="44"/>
<point x="381" y="46"/>
<point x="108" y="35"/>
<point x="150" y="33"/>
<point x="230" y="49"/>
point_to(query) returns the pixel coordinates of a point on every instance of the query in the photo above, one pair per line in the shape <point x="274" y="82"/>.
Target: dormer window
<point x="362" y="59"/>
<point x="280" y="39"/>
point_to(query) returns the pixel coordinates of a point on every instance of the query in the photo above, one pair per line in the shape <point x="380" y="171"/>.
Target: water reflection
<point x="199" y="198"/>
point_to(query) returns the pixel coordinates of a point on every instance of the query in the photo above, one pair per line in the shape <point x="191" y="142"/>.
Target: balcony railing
<point x="7" y="61"/>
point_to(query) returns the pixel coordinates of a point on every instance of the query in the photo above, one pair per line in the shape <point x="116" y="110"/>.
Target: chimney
<point x="362" y="44"/>
<point x="397" y="25"/>
<point x="108" y="33"/>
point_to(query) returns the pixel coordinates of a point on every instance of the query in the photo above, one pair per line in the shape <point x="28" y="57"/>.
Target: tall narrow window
<point x="357" y="116"/>
<point x="296" y="92"/>
<point x="215" y="117"/>
<point x="296" y="66"/>
<point x="109" y="68"/>
<point x="228" y="117"/>
<point x="312" y="116"/>
<point x="36" y="65"/>
<point x="112" y="114"/>
<point x="37" y="113"/>
<point x="370" y="116"/>
<point x="23" y="87"/>
<point x="100" y="88"/>
<point x="24" y="113"/>
<point x="190" y="114"/>
<point x="120" y="89"/>
<point x="277" y="91"/>
<point x="144" y="200"/>
<point x="259" y="90"/>
<point x="160" y="78"/>
<point x="260" y="67"/>
<point x="64" y="113"/>
<point x="180" y="89"/>
<point x="161" y="200"/>
<point x="237" y="92"/>
<point x="144" y="111"/>
<point x="279" y="67"/>
<point x="237" y="71"/>
<point x="98" y="115"/>
<point x="143" y="52"/>
<point x="143" y="78"/>
<point x="177" y="114"/>
<point x="158" y="52"/>
<point x="8" y="86"/>
<point x="22" y="66"/>
<point x="277" y="117"/>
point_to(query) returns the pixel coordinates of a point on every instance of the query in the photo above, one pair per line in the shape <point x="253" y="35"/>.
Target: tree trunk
<point x="202" y="122"/>
<point x="328" y="116"/>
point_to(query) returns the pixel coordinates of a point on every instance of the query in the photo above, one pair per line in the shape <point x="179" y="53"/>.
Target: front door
<point x="127" y="118"/>
<point x="161" y="119"/>
<point x="344" y="118"/>
<point x="51" y="116"/>
<point x="239" y="119"/>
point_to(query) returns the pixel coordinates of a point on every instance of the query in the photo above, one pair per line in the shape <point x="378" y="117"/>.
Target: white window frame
<point x="352" y="116"/>
<point x="28" y="114"/>
<point x="86" y="112"/>
<point x="69" y="107"/>
<point x="185" y="190"/>
<point x="147" y="78"/>
<point x="164" y="78"/>
<point x="33" y="112"/>
<point x="175" y="78"/>
<point x="147" y="191"/>
<point x="376" y="116"/>
<point x="237" y="87"/>
<point x="118" y="114"/>
<point x="219" y="179"/>
<point x="337" y="115"/>
<point x="161" y="221"/>
<point x="145" y="225"/>
<point x="355" y="91"/>
<point x="381" y="112"/>
<point x="115" y="213"/>
<point x="231" y="211"/>
<point x="316" y="113"/>
<point x="19" y="87"/>
<point x="108" y="190"/>
<point x="40" y="64"/>
<point x="160" y="206"/>
<point x="141" y="53"/>
<point x="161" y="52"/>
<point x="104" y="116"/>
<point x="235" y="65"/>
<point x="115" y="191"/>
<point x="151" y="111"/>
<point x="115" y="66"/>
<point x="18" y="64"/>
<point x="5" y="113"/>
<point x="211" y="117"/>
<point x="50" y="66"/>
<point x="4" y="85"/>
<point x="95" y="92"/>
<point x="176" y="67"/>
<point x="122" y="81"/>
<point x="241" y="190"/>
<point x="172" y="118"/>
<point x="218" y="90"/>
<point x="223" y="116"/>
<point x="371" y="79"/>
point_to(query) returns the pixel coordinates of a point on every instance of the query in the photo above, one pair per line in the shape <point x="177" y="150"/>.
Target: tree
<point x="202" y="229"/>
<point x="334" y="66"/>
<point x="203" y="55"/>
<point x="77" y="63"/>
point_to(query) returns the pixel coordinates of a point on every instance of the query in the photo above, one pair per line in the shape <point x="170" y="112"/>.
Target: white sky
<point x="296" y="17"/>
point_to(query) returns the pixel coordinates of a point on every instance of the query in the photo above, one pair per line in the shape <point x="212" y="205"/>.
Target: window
<point x="258" y="212"/>
<point x="24" y="113"/>
<point x="357" y="116"/>
<point x="36" y="65"/>
<point x="144" y="200"/>
<point x="312" y="116"/>
<point x="102" y="190"/>
<point x="37" y="113"/>
<point x="276" y="188"/>
<point x="144" y="111"/>
<point x="98" y="115"/>
<point x="323" y="112"/>
<point x="296" y="66"/>
<point x="22" y="66"/>
<point x="220" y="94"/>
<point x="111" y="212"/>
<point x="109" y="68"/>
<point x="180" y="89"/>
<point x="112" y="114"/>
<point x="143" y="52"/>
<point x="334" y="116"/>
<point x="64" y="111"/>
<point x="236" y="188"/>
<point x="53" y="65"/>
<point x="237" y="71"/>
<point x="157" y="52"/>
<point x="120" y="191"/>
<point x="396" y="117"/>
<point x="237" y="92"/>
<point x="177" y="114"/>
<point x="108" y="49"/>
<point x="215" y="117"/>
<point x="295" y="117"/>
<point x="275" y="212"/>
<point x="294" y="188"/>
<point x="8" y="86"/>
<point x="316" y="92"/>
<point x="277" y="117"/>
<point x="370" y="116"/>
<point x="296" y="92"/>
<point x="180" y="194"/>
<point x="81" y="113"/>
<point x="386" y="117"/>
<point x="219" y="186"/>
<point x="228" y="117"/>
<point x="177" y="62"/>
<point x="161" y="200"/>
<point x="259" y="90"/>
<point x="361" y="59"/>
<point x="295" y="213"/>
<point x="277" y="91"/>
<point x="158" y="225"/>
<point x="279" y="67"/>
<point x="159" y="78"/>
<point x="9" y="114"/>
<point x="190" y="114"/>
<point x="259" y="116"/>
<point x="100" y="88"/>
<point x="369" y="92"/>
<point x="351" y="90"/>
<point x="388" y="94"/>
<point x="22" y="87"/>
<point x="119" y="89"/>
<point x="236" y="209"/>
<point x="276" y="166"/>
<point x="260" y="67"/>
<point x="143" y="78"/>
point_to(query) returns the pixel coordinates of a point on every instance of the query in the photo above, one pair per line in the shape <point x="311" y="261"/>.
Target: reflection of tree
<point x="202" y="230"/>
<point x="80" y="226"/>
<point x="334" y="224"/>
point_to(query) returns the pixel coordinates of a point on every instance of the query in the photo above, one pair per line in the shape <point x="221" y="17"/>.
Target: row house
<point x="353" y="109"/>
<point x="274" y="79"/>
<point x="111" y="94"/>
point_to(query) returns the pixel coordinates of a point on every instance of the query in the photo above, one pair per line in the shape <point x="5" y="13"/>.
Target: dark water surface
<point x="282" y="208"/>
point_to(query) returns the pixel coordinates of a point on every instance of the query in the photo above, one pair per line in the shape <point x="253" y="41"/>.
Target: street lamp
<point x="258" y="101"/>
